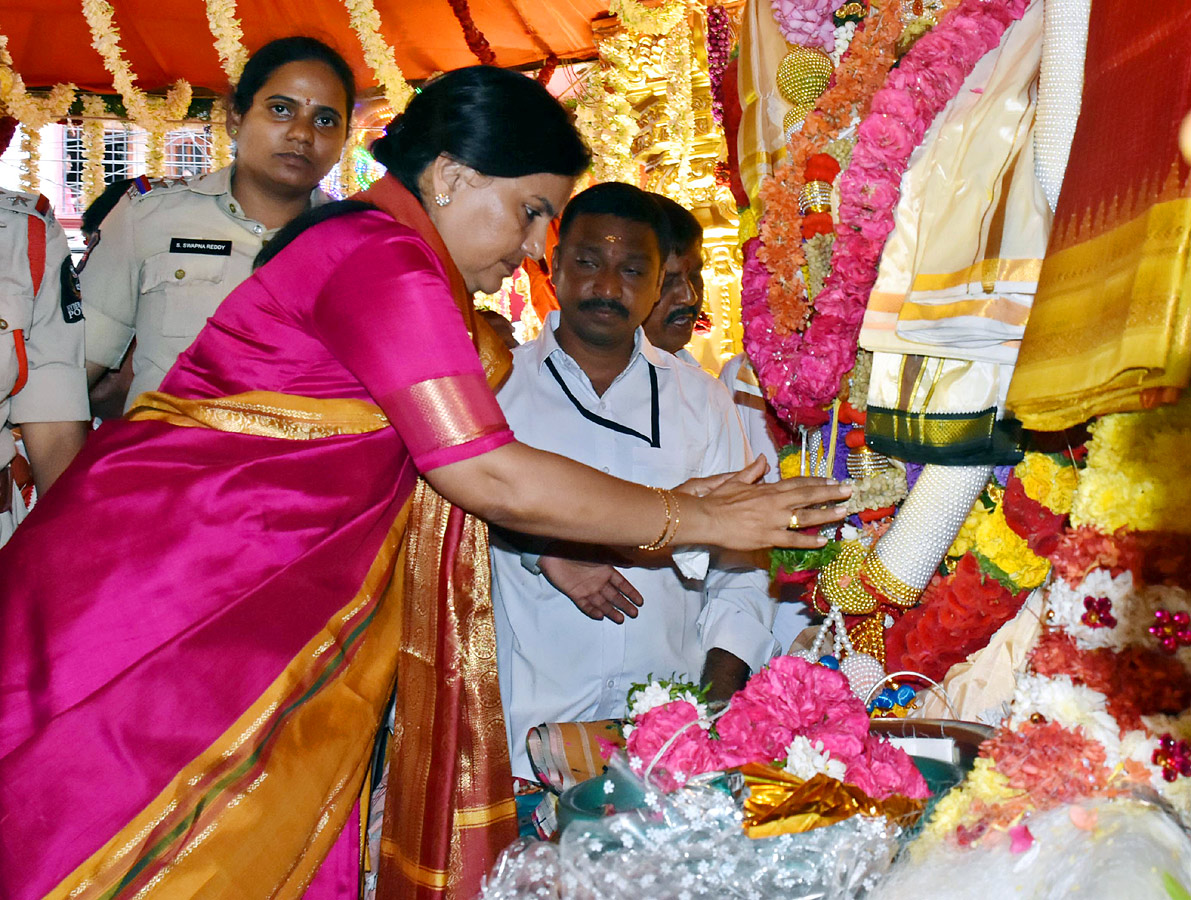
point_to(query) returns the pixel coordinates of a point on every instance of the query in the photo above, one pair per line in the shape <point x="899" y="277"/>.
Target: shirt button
<point x="3" y="324"/>
<point x="611" y="682"/>
<point x="604" y="469"/>
<point x="232" y="207"/>
<point x="257" y="229"/>
<point x="180" y="274"/>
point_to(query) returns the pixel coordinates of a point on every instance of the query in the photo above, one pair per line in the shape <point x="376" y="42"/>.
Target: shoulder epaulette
<point x="29" y="204"/>
<point x="143" y="185"/>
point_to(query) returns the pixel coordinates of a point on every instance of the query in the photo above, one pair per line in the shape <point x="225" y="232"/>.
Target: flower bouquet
<point x="797" y="733"/>
<point x="735" y="802"/>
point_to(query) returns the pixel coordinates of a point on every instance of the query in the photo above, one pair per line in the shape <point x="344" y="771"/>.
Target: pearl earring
<point x="442" y="199"/>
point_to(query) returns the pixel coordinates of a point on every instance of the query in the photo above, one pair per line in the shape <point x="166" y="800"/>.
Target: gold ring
<point x="793" y="526"/>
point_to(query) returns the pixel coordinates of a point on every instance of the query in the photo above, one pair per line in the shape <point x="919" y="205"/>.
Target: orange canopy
<point x="165" y="40"/>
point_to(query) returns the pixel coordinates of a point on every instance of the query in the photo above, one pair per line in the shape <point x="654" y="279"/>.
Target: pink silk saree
<point x="202" y="624"/>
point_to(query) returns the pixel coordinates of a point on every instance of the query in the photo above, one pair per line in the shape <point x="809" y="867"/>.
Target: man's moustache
<point x="619" y="308"/>
<point x="676" y="314"/>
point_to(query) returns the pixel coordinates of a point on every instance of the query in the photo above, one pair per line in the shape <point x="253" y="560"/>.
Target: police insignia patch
<point x="72" y="301"/>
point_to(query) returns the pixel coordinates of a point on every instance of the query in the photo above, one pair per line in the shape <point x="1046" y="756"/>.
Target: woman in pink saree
<point x="205" y="619"/>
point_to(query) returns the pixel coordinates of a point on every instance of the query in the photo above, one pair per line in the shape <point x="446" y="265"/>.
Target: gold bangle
<point x="661" y="538"/>
<point x="670" y="495"/>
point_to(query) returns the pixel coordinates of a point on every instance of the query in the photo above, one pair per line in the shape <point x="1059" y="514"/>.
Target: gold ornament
<point x="815" y="196"/>
<point x="839" y="581"/>
<point x="801" y="78"/>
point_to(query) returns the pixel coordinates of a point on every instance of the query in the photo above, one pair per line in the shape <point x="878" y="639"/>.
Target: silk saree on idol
<point x="205" y="619"/>
<point x="1110" y="330"/>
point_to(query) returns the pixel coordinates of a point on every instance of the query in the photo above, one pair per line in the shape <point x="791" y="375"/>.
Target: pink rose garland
<point x="802" y="373"/>
<point x="806" y="22"/>
<point x="789" y="698"/>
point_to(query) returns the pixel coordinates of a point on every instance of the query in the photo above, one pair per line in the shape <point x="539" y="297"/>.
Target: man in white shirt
<point x="672" y="321"/>
<point x="593" y="388"/>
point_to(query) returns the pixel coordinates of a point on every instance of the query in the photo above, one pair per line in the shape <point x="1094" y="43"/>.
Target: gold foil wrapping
<point x="779" y="803"/>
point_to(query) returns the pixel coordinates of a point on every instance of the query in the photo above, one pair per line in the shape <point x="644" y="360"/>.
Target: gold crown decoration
<point x="801" y="78"/>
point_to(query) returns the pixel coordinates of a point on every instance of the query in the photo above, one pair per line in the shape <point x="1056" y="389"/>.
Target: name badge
<point x="199" y="245"/>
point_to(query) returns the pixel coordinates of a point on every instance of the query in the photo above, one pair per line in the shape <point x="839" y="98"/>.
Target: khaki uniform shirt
<point x="47" y="325"/>
<point x="164" y="260"/>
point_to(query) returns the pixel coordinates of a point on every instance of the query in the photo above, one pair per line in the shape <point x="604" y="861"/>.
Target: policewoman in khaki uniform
<point x="170" y="251"/>
<point x="43" y="387"/>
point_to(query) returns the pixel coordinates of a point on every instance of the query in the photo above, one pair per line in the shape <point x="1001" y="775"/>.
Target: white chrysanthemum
<point x="1067" y="605"/>
<point x="1071" y="705"/>
<point x="653" y="695"/>
<point x="805" y="761"/>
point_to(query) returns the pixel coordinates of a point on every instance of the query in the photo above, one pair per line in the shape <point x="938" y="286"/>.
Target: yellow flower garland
<point x="150" y="113"/>
<point x="33" y="112"/>
<point x="986" y="532"/>
<point x="1048" y="481"/>
<point x="221" y="144"/>
<point x="229" y="37"/>
<point x="93" y="111"/>
<point x="1138" y="474"/>
<point x="639" y="18"/>
<point x="365" y="22"/>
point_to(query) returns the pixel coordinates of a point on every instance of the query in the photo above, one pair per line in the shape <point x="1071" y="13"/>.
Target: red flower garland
<point x="476" y="42"/>
<point x="958" y="615"/>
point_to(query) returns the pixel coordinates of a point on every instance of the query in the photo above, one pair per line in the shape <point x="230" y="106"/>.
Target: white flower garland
<point x="1131" y="607"/>
<point x="150" y="113"/>
<point x="605" y="116"/>
<point x="679" y="57"/>
<point x="1059" y="699"/>
<point x="365" y="22"/>
<point x="33" y="112"/>
<point x="93" y="112"/>
<point x="229" y="38"/>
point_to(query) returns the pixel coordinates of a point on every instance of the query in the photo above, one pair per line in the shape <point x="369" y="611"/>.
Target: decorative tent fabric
<point x="165" y="40"/>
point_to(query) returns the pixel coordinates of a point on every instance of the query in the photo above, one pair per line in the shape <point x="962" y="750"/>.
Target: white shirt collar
<point x="546" y="344"/>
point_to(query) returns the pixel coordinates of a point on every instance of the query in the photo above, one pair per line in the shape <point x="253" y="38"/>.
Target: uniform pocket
<point x="190" y="288"/>
<point x="659" y="468"/>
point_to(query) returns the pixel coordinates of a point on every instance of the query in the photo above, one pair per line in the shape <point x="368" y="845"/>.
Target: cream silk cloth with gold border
<point x="958" y="273"/>
<point x="761" y="142"/>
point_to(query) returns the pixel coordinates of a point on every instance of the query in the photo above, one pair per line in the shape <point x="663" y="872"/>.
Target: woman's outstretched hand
<point x="748" y="516"/>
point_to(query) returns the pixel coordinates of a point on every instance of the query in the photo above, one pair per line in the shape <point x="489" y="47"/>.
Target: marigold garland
<point x="229" y="37"/>
<point x="378" y="53"/>
<point x="221" y="143"/>
<point x="1138" y="473"/>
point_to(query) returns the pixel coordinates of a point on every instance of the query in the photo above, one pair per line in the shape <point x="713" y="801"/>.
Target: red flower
<point x="957" y="615"/>
<point x="1040" y="528"/>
